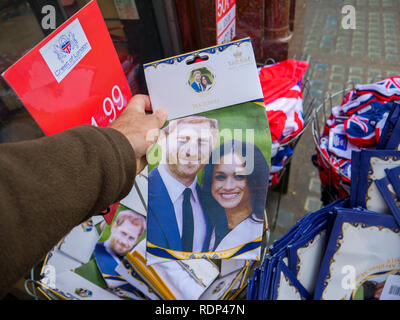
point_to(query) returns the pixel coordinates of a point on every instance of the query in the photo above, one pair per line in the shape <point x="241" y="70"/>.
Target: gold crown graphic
<point x="237" y="54"/>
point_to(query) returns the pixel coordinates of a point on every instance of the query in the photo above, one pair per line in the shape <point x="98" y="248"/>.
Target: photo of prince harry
<point x="176" y="219"/>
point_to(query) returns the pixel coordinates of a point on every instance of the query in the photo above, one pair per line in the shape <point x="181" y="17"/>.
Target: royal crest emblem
<point x="66" y="44"/>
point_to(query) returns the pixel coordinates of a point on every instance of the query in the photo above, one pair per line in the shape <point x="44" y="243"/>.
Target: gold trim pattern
<point x="339" y="243"/>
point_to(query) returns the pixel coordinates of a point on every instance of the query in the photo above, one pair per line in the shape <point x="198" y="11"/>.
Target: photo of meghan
<point x="235" y="196"/>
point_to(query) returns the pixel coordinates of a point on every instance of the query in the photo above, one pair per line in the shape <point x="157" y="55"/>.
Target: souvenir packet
<point x="47" y="294"/>
<point x="290" y="270"/>
<point x="355" y="170"/>
<point x="217" y="119"/>
<point x="391" y="288"/>
<point x="253" y="286"/>
<point x="228" y="266"/>
<point x="116" y="240"/>
<point x="305" y="257"/>
<point x="59" y="262"/>
<point x="74" y="249"/>
<point x="339" y="144"/>
<point x="393" y="140"/>
<point x="372" y="167"/>
<point x="125" y="270"/>
<point x="71" y="286"/>
<point x="362" y="250"/>
<point x="272" y="280"/>
<point x="221" y="287"/>
<point x="172" y="280"/>
<point x="137" y="197"/>
<point x="394" y="178"/>
<point x="304" y="224"/>
<point x="299" y="269"/>
<point x="391" y="127"/>
<point x="265" y="278"/>
<point x="287" y="286"/>
<point x="269" y="277"/>
<point x="240" y="282"/>
<point x="390" y="196"/>
<point x="127" y="275"/>
<point x="272" y="276"/>
<point x="86" y="233"/>
<point x="293" y="234"/>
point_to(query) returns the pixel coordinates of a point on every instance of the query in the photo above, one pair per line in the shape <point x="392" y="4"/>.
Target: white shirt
<point x="175" y="191"/>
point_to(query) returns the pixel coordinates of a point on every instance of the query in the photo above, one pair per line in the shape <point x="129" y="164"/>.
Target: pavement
<point x="339" y="58"/>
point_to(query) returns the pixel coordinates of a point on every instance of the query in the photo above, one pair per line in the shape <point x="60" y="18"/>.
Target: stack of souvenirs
<point x="349" y="249"/>
<point x="357" y="123"/>
<point x="95" y="261"/>
<point x="176" y="235"/>
<point x="282" y="89"/>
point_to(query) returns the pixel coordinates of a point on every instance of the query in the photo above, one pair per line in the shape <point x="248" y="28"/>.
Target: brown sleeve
<point x="50" y="185"/>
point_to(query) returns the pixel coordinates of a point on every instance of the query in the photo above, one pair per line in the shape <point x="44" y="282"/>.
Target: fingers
<point x="158" y="119"/>
<point x="161" y="117"/>
<point x="139" y="103"/>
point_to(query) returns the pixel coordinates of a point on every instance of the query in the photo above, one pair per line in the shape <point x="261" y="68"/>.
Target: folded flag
<point x="282" y="89"/>
<point x="359" y="122"/>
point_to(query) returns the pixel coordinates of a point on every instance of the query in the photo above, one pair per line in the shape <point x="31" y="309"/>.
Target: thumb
<point x="161" y="117"/>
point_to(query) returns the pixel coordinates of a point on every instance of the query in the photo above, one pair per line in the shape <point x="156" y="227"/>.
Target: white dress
<point x="246" y="231"/>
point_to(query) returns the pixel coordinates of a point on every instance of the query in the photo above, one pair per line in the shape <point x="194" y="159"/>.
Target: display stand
<point x="309" y="104"/>
<point x="338" y="185"/>
<point x="32" y="285"/>
<point x="336" y="180"/>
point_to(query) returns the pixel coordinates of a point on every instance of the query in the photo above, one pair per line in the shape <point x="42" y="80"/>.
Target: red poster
<point x="73" y="76"/>
<point x="226" y="20"/>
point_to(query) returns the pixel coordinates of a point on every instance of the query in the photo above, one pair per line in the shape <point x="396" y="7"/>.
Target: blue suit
<point x="162" y="227"/>
<point x="106" y="262"/>
<point x="197" y="87"/>
<point x="106" y="265"/>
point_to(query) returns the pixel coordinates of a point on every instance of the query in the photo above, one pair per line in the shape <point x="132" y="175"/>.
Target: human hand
<point x="379" y="289"/>
<point x="139" y="128"/>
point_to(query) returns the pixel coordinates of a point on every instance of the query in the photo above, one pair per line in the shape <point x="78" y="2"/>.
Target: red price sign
<point x="226" y="20"/>
<point x="73" y="76"/>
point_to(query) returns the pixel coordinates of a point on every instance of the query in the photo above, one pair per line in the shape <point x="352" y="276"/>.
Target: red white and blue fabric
<point x="278" y="163"/>
<point x="387" y="89"/>
<point x="360" y="127"/>
<point x="282" y="90"/>
<point x="285" y="115"/>
<point x="363" y="111"/>
<point x="359" y="132"/>
<point x="281" y="84"/>
<point x="357" y="103"/>
<point x="342" y="165"/>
